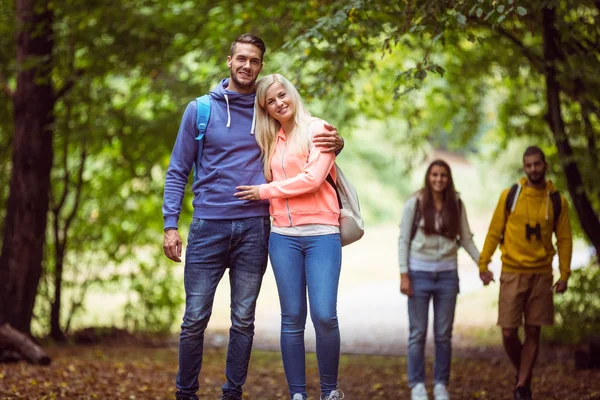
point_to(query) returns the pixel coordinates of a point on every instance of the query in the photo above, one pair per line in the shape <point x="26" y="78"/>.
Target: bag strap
<point x="556" y="206"/>
<point x="416" y="219"/>
<point x="329" y="180"/>
<point x="202" y="114"/>
<point x="202" y="117"/>
<point x="509" y="205"/>
<point x="510" y="199"/>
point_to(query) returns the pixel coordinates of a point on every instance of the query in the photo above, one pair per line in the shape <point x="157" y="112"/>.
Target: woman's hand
<point x="405" y="286"/>
<point x="248" y="192"/>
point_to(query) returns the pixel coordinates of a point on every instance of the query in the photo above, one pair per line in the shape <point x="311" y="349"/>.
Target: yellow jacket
<point x="520" y="255"/>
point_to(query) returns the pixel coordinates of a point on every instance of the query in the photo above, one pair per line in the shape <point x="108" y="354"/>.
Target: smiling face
<point x="244" y="65"/>
<point x="278" y="104"/>
<point x="535" y="168"/>
<point x="438" y="178"/>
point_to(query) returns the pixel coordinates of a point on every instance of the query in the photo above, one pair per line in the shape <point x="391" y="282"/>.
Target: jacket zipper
<point x="287" y="205"/>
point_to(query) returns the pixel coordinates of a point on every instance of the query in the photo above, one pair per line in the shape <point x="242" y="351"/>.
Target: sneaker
<point x="418" y="392"/>
<point x="440" y="392"/>
<point x="334" y="395"/>
<point x="297" y="396"/>
<point x="522" y="393"/>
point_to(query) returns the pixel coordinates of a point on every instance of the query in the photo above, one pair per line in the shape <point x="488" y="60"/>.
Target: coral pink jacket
<point x="299" y="193"/>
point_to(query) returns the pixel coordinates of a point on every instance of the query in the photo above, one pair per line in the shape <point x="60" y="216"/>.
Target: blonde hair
<point x="267" y="127"/>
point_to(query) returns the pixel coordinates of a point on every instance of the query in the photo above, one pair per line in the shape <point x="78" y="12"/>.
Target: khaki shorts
<point x="525" y="296"/>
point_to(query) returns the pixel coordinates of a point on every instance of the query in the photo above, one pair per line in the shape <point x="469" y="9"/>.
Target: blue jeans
<point x="313" y="263"/>
<point x="443" y="288"/>
<point x="213" y="246"/>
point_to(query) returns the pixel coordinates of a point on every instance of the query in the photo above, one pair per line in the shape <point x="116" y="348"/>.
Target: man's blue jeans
<point x="313" y="263"/>
<point x="213" y="246"/>
<point x="442" y="287"/>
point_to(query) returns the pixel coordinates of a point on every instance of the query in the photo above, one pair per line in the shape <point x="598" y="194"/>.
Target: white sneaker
<point x="297" y="396"/>
<point x="440" y="392"/>
<point x="419" y="392"/>
<point x="334" y="395"/>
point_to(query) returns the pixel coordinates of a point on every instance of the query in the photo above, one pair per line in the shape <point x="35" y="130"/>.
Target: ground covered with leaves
<point x="136" y="371"/>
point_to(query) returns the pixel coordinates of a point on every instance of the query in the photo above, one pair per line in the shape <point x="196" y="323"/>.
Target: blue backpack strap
<point x="202" y="114"/>
<point x="202" y="117"/>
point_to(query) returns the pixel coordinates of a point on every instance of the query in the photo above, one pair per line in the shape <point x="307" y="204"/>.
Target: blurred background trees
<point x="92" y="96"/>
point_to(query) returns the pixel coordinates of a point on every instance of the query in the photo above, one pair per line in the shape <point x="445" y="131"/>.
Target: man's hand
<point x="248" y="192"/>
<point x="486" y="277"/>
<point x="328" y="141"/>
<point x="560" y="286"/>
<point x="172" y="245"/>
<point x="405" y="286"/>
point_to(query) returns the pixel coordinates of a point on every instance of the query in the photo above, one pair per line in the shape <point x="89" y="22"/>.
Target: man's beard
<point x="537" y="181"/>
<point x="239" y="84"/>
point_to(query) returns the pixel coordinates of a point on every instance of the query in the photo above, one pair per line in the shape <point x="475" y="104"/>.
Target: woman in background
<point x="434" y="225"/>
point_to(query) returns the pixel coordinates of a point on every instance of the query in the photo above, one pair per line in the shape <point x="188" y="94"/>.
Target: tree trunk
<point x="27" y="205"/>
<point x="27" y="349"/>
<point x="587" y="216"/>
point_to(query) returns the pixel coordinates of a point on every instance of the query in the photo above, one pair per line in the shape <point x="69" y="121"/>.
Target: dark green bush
<point x="577" y="312"/>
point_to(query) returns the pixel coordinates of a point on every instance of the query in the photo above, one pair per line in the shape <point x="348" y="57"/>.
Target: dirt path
<point x="372" y="312"/>
<point x="135" y="372"/>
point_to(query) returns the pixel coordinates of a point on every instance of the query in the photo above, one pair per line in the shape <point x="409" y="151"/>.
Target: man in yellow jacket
<point x="523" y="223"/>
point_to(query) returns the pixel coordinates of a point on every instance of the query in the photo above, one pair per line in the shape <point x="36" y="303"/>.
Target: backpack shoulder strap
<point x="459" y="207"/>
<point x="556" y="206"/>
<point x="509" y="206"/>
<point x="202" y="114"/>
<point x="202" y="117"/>
<point x="416" y="219"/>
<point x="329" y="180"/>
<point x="511" y="199"/>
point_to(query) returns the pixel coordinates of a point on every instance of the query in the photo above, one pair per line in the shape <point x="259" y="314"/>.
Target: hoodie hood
<point x="234" y="100"/>
<point x="549" y="185"/>
<point x="550" y="188"/>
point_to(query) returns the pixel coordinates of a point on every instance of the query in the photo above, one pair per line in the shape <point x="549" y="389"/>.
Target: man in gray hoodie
<point x="225" y="232"/>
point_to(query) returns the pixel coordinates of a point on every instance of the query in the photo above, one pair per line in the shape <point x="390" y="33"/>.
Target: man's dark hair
<point x="250" y="39"/>
<point x="533" y="150"/>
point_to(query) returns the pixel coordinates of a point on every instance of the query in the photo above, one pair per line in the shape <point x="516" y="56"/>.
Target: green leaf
<point x="461" y="18"/>
<point x="439" y="70"/>
<point x="521" y="11"/>
<point x="479" y="12"/>
<point x="500" y="8"/>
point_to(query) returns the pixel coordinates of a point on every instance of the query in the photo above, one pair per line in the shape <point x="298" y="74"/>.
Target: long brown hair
<point x="450" y="209"/>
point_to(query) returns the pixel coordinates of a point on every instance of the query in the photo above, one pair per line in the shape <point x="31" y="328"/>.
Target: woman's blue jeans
<point x="442" y="287"/>
<point x="312" y="263"/>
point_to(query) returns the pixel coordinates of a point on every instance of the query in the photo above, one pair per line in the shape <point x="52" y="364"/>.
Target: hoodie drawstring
<point x="228" y="114"/>
<point x="253" y="120"/>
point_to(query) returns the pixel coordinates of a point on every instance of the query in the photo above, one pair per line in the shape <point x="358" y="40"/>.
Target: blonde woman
<point x="304" y="246"/>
